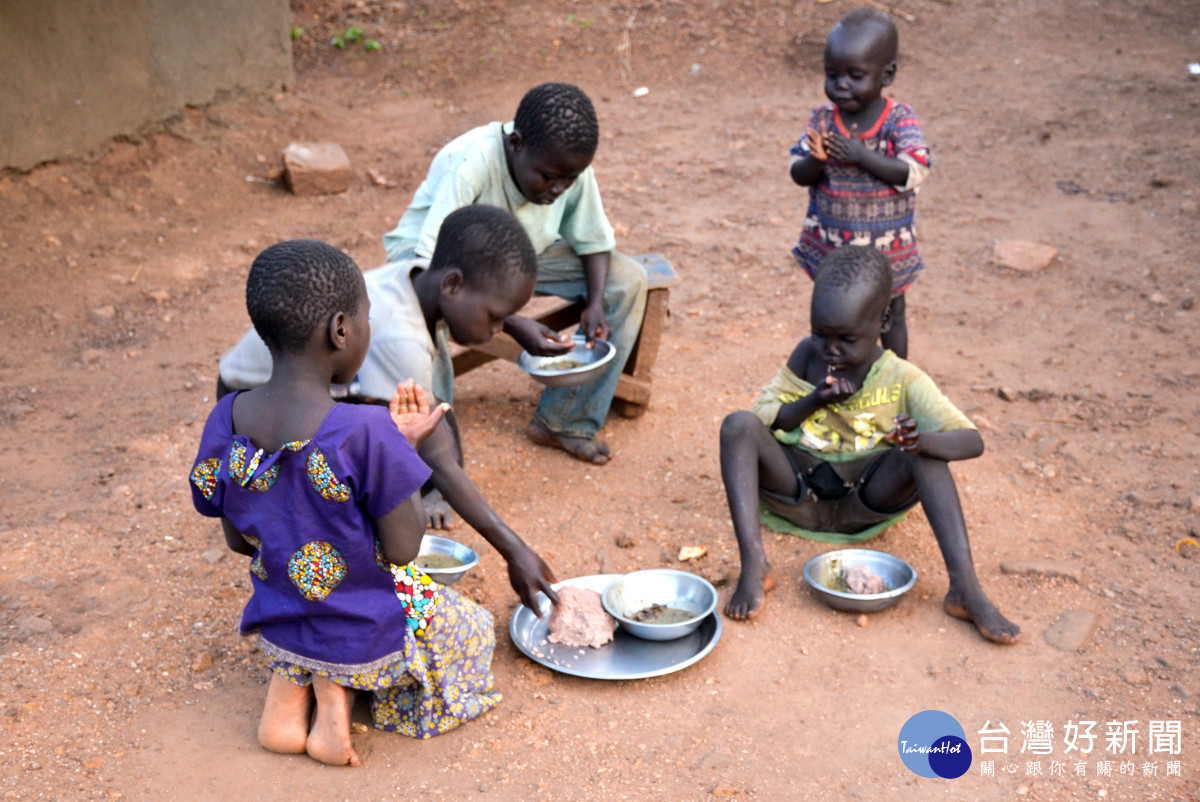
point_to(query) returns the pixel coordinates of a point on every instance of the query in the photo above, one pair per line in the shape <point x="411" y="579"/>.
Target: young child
<point x="820" y="448"/>
<point x="862" y="157"/>
<point x="324" y="498"/>
<point x="481" y="272"/>
<point x="539" y="168"/>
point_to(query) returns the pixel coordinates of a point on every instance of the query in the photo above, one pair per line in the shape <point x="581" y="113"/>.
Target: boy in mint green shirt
<point x="539" y="168"/>
<point x="848" y="436"/>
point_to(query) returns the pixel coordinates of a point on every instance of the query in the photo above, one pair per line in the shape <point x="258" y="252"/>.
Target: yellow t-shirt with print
<point x="855" y="427"/>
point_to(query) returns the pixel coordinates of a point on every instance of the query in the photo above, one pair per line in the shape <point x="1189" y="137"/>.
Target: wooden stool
<point x="633" y="388"/>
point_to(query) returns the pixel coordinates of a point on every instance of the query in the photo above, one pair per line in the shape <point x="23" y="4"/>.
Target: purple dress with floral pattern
<point x="325" y="601"/>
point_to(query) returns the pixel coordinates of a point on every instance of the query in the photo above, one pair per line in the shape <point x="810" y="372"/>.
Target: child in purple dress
<point x="862" y="157"/>
<point x="324" y="499"/>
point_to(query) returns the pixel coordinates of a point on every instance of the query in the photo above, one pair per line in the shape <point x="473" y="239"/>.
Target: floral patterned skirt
<point x="444" y="679"/>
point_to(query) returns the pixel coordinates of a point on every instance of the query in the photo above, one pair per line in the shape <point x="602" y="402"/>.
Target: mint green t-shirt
<point x="855" y="427"/>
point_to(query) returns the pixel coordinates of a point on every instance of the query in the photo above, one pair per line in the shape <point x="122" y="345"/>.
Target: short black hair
<point x="558" y="118"/>
<point x="855" y="268"/>
<point x="488" y="244"/>
<point x="295" y="287"/>
<point x="877" y="24"/>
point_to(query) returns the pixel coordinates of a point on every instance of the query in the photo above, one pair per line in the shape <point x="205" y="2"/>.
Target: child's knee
<point x="738" y="426"/>
<point x="626" y="276"/>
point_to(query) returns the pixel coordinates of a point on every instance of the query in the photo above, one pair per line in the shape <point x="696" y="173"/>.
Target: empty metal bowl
<point x="436" y="544"/>
<point x="823" y="572"/>
<point x="634" y="592"/>
<point x="578" y="366"/>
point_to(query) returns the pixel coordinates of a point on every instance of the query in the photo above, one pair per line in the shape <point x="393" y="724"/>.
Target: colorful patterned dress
<point x="325" y="601"/>
<point x="849" y="206"/>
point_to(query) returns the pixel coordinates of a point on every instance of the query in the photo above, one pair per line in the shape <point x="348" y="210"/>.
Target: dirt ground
<point x="1060" y="122"/>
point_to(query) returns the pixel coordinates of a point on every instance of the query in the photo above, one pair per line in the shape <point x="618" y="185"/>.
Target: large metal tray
<point x="625" y="657"/>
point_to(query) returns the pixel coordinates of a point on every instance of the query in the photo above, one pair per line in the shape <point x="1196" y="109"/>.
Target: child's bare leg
<point x="896" y="337"/>
<point x="751" y="458"/>
<point x="329" y="740"/>
<point x="284" y="723"/>
<point x="965" y="599"/>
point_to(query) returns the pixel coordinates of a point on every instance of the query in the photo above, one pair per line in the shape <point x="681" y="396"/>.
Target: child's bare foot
<point x="753" y="585"/>
<point x="329" y="740"/>
<point x="284" y="723"/>
<point x="581" y="448"/>
<point x="984" y="615"/>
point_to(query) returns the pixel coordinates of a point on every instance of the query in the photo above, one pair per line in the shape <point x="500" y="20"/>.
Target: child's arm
<point x="852" y="151"/>
<point x="794" y="413"/>
<point x="234" y="539"/>
<point x="805" y="170"/>
<point x="593" y="321"/>
<point x="948" y="446"/>
<point x="527" y="572"/>
<point x="401" y="530"/>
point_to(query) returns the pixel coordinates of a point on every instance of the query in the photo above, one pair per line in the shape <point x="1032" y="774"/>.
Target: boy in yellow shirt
<point x="846" y="437"/>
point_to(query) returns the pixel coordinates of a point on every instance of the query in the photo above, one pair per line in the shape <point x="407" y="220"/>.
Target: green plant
<point x="297" y="34"/>
<point x="371" y="46"/>
<point x="573" y="19"/>
<point x="348" y="36"/>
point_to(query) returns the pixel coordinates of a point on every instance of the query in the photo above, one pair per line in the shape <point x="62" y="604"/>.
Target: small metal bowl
<point x="679" y="589"/>
<point x="543" y="368"/>
<point x="436" y="544"/>
<point x="898" y="576"/>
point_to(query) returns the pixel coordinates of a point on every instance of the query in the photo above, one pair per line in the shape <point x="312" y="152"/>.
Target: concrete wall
<point x="75" y="73"/>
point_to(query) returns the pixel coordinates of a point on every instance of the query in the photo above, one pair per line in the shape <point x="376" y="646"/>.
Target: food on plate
<point x="437" y="562"/>
<point x="579" y="619"/>
<point x="662" y="614"/>
<point x="862" y="580"/>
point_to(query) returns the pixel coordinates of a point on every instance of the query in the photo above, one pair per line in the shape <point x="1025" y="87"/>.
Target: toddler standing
<point x="324" y="499"/>
<point x="862" y="157"/>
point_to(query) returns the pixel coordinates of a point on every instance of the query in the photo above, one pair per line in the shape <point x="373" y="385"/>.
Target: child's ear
<point x="516" y="141"/>
<point x="453" y="282"/>
<point x="337" y="330"/>
<point x="889" y="74"/>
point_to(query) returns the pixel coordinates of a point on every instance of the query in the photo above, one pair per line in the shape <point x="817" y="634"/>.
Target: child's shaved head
<point x="295" y="286"/>
<point x="875" y="24"/>
<point x="488" y="244"/>
<point x="558" y="118"/>
<point x="853" y="270"/>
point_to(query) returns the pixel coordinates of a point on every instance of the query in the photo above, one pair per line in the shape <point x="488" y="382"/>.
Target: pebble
<point x="862" y="620"/>
<point x="1158" y="299"/>
<point x="1022" y="790"/>
<point x="1023" y="256"/>
<point x="1041" y="568"/>
<point x="1162" y="661"/>
<point x="213" y="556"/>
<point x="102" y="314"/>
<point x="625" y="541"/>
<point x="202" y="662"/>
<point x="37" y="623"/>
<point x="1072" y="630"/>
<point x="1135" y="676"/>
<point x="1007" y="393"/>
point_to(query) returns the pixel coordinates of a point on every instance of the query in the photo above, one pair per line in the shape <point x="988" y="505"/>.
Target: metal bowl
<point x="898" y="576"/>
<point x="679" y="589"/>
<point x="543" y="368"/>
<point x="436" y="544"/>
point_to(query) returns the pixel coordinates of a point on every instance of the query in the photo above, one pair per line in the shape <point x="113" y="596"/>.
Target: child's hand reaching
<point x="906" y="435"/>
<point x="409" y="409"/>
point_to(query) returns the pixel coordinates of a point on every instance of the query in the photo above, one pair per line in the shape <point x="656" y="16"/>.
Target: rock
<point x="1158" y="299"/>
<point x="625" y="541"/>
<point x="983" y="423"/>
<point x="202" y="662"/>
<point x="692" y="553"/>
<point x="38" y="624"/>
<point x="862" y="620"/>
<point x="1162" y="661"/>
<point x="1041" y="568"/>
<point x="159" y="297"/>
<point x="1179" y="692"/>
<point x="1049" y="471"/>
<point x="213" y="556"/>
<point x="377" y="178"/>
<point x="1187" y="303"/>
<point x="1135" y="676"/>
<point x="724" y="791"/>
<point x="1072" y="630"/>
<point x="1007" y="393"/>
<point x="1023" y="256"/>
<point x="316" y="168"/>
<point x="101" y="315"/>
